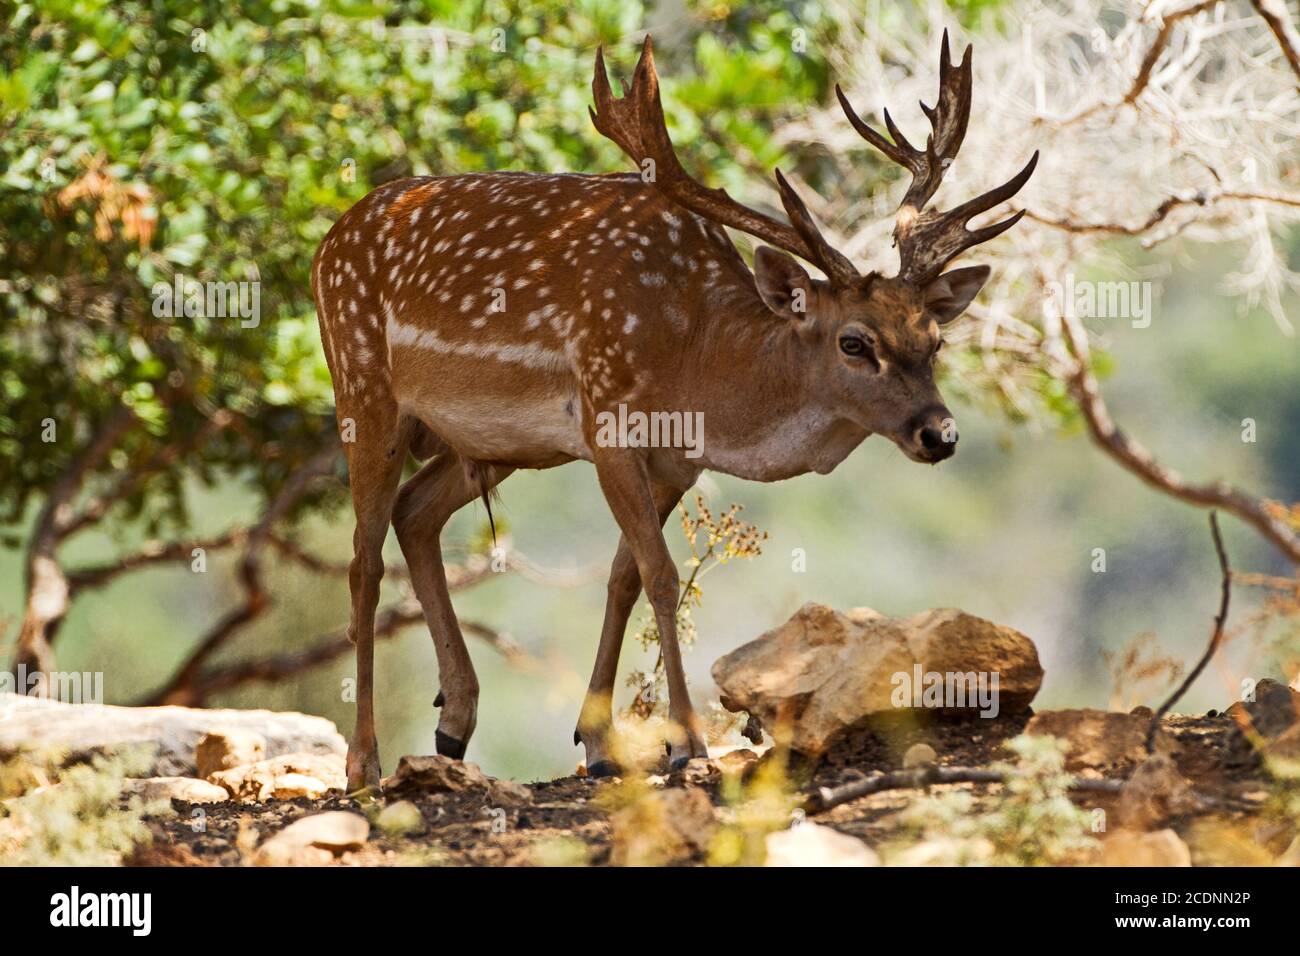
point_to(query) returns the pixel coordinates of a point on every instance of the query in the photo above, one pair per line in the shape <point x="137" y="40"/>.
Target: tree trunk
<point x="47" y="603"/>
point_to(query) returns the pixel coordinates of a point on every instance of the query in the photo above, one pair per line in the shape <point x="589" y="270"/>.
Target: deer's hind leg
<point x="375" y="452"/>
<point x="424" y="504"/>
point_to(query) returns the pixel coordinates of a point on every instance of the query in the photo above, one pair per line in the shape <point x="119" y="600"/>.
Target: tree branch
<point x="180" y="689"/>
<point x="131" y="482"/>
<point x="1267" y="517"/>
<point x="1168" y="22"/>
<point x="1149" y="60"/>
<point x="46" y="592"/>
<point x="295" y="552"/>
<point x="1279" y="21"/>
<point x="57" y="515"/>
<point x="149" y="553"/>
<point x="1200" y="197"/>
<point x="389" y="621"/>
<point x="1216" y="638"/>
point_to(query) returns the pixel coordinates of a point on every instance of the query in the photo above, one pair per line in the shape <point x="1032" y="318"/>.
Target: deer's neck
<point x="763" y="416"/>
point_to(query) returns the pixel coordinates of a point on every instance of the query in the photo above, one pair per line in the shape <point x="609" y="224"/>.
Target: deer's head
<point x="870" y="341"/>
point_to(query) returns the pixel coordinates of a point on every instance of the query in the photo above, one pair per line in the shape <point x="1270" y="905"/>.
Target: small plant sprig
<point x="1137" y="665"/>
<point x="1028" y="821"/>
<point x="58" y="814"/>
<point x="714" y="541"/>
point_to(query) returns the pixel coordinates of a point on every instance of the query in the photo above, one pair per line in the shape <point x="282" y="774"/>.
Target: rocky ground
<point x="259" y="788"/>
<point x="438" y="819"/>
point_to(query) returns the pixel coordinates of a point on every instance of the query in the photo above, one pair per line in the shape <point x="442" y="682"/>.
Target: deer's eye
<point x="855" y="346"/>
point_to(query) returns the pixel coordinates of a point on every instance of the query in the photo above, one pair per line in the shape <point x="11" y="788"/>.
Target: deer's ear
<point x="783" y="284"/>
<point x="947" y="296"/>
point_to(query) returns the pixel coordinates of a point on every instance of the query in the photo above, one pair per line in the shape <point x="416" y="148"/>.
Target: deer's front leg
<point x="624" y="587"/>
<point x="627" y="489"/>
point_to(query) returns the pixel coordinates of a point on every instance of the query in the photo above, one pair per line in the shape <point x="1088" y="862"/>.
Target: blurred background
<point x="220" y="141"/>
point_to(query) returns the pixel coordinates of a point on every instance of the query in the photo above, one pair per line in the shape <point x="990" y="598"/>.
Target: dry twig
<point x="825" y="798"/>
<point x="1216" y="638"/>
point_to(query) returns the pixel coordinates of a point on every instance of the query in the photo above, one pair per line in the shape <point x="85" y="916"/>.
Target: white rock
<point x="177" y="788"/>
<point x="291" y="786"/>
<point x="314" y="840"/>
<point x="170" y="733"/>
<point x="811" y="844"/>
<point x="283" y="778"/>
<point x="223" y="750"/>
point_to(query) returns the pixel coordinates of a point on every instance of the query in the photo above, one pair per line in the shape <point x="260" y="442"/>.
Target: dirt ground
<point x="465" y="829"/>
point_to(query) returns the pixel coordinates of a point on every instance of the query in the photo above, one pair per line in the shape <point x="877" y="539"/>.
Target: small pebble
<point x="919" y="755"/>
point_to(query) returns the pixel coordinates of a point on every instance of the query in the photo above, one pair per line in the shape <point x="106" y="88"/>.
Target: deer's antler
<point x="928" y="239"/>
<point x="636" y="123"/>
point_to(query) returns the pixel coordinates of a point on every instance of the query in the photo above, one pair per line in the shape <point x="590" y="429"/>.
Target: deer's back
<point x="513" y="298"/>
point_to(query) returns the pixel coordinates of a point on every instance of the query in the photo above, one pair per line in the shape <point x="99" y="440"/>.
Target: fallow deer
<point x="483" y="322"/>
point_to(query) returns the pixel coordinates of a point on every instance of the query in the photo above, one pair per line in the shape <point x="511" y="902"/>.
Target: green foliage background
<point x="241" y="121"/>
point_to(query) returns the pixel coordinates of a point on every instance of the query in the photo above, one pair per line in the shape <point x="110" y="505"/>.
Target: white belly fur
<point x="514" y="433"/>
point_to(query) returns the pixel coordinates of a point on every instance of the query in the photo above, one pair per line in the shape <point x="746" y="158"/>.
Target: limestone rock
<point x="811" y="844"/>
<point x="1275" y="709"/>
<point x="823" y="671"/>
<point x="1130" y="848"/>
<point x="1098" y="739"/>
<point x="171" y="734"/>
<point x="698" y="772"/>
<point x="291" y="786"/>
<point x="284" y="778"/>
<point x="434" y="773"/>
<point x="223" y="750"/>
<point x="275" y="853"/>
<point x="508" y="793"/>
<point x="187" y="789"/>
<point x="661" y="828"/>
<point x="736" y="762"/>
<point x="337" y="831"/>
<point x="314" y="840"/>
<point x="1153" y="793"/>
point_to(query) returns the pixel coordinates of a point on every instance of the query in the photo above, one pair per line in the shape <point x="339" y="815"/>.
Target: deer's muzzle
<point x="933" y="435"/>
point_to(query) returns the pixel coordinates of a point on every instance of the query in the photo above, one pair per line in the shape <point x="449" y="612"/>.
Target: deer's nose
<point x="931" y="438"/>
<point x="936" y="435"/>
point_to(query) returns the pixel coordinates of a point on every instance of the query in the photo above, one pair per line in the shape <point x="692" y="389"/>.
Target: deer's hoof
<point x="363" y="771"/>
<point x="603" y="768"/>
<point x="449" y="746"/>
<point x="682" y="752"/>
